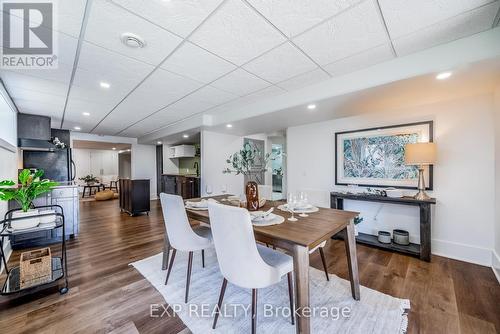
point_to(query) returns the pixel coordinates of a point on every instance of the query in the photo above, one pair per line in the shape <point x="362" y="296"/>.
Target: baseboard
<point x="7" y="250"/>
<point x="496" y="265"/>
<point x="462" y="252"/>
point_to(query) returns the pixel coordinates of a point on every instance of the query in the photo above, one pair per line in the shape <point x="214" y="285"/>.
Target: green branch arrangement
<point x="29" y="187"/>
<point x="245" y="160"/>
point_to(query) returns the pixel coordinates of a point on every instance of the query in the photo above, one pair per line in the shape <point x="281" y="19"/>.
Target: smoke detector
<point x="133" y="41"/>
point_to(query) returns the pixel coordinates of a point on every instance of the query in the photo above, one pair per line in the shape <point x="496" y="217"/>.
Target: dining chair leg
<point x="174" y="251"/>
<point x="219" y="304"/>
<point x="203" y="258"/>
<point x="290" y="294"/>
<point x="254" y="311"/>
<point x="188" y="279"/>
<point x="324" y="262"/>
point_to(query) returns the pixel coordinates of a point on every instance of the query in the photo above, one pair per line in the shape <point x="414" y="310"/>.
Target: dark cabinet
<point x="134" y="196"/>
<point x="185" y="186"/>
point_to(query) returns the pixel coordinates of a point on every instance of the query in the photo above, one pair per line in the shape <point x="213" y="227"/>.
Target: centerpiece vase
<point x="252" y="194"/>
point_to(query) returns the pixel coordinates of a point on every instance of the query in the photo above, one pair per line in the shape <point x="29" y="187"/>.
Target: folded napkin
<point x="201" y="204"/>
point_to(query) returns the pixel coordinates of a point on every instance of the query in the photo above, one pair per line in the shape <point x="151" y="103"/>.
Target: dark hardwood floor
<point x="106" y="295"/>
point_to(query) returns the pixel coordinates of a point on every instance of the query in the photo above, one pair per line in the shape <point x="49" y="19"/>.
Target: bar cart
<point x="59" y="263"/>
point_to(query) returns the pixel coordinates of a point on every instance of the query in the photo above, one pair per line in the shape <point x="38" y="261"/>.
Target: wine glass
<point x="208" y="189"/>
<point x="223" y="189"/>
<point x="291" y="202"/>
<point x="303" y="200"/>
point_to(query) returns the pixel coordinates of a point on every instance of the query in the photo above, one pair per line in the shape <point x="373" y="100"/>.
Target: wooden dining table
<point x="297" y="238"/>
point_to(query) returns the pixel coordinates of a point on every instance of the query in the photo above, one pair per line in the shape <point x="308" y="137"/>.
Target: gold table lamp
<point x="420" y="154"/>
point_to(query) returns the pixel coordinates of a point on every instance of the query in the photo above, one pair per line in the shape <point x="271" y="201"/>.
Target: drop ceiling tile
<point x="195" y="63"/>
<point x="351" y="32"/>
<point x="76" y="107"/>
<point x="204" y="98"/>
<point x="107" y="22"/>
<point x="14" y="80"/>
<point x="65" y="50"/>
<point x="67" y="17"/>
<point x="159" y="90"/>
<point x="361" y="60"/>
<point x="102" y="61"/>
<point x="240" y="82"/>
<point x="404" y="17"/>
<point x="236" y="33"/>
<point x="53" y="108"/>
<point x="446" y="31"/>
<point x="178" y="16"/>
<point x="279" y="64"/>
<point x="293" y="17"/>
<point x="157" y="121"/>
<point x="304" y="79"/>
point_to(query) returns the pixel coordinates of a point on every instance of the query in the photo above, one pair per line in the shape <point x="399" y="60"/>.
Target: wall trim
<point x="462" y="252"/>
<point x="496" y="265"/>
<point x="7" y="249"/>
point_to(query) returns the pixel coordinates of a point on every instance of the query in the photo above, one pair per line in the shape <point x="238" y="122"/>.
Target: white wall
<point x="95" y="162"/>
<point x="143" y="158"/>
<point x="124" y="165"/>
<point x="496" y="253"/>
<point x="215" y="149"/>
<point x="463" y="180"/>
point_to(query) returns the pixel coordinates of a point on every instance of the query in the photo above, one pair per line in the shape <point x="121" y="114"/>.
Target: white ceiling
<point x="200" y="55"/>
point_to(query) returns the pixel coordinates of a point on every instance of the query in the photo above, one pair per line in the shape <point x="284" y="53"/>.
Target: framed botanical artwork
<point x="376" y="157"/>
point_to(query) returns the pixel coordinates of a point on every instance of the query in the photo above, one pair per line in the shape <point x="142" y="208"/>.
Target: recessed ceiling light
<point x="128" y="150"/>
<point x="104" y="84"/>
<point x="114" y="148"/>
<point x="77" y="128"/>
<point x="443" y="75"/>
<point x="185" y="136"/>
<point x="311" y="107"/>
<point x="85" y="113"/>
<point x="133" y="41"/>
<point x="229" y="125"/>
<point x="158" y="142"/>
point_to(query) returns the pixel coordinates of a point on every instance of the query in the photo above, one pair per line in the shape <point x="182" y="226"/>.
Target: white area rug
<point x="375" y="313"/>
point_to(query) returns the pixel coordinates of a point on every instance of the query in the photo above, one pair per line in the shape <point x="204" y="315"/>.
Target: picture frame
<point x="374" y="157"/>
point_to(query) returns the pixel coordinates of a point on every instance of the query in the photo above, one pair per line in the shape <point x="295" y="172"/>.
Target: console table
<point x="423" y="251"/>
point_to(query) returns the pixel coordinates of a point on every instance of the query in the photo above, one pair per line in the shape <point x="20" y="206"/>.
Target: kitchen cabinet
<point x="182" y="151"/>
<point x="67" y="198"/>
<point x="182" y="185"/>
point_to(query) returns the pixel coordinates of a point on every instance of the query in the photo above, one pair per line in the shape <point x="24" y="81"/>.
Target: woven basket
<point x="35" y="267"/>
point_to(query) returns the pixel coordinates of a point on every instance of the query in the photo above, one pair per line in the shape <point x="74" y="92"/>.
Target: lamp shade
<point x="420" y="154"/>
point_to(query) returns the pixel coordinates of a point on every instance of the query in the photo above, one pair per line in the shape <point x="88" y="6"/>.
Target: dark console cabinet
<point x="134" y="196"/>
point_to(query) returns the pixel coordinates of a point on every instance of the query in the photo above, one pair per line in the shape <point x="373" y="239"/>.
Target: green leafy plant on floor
<point x="29" y="187"/>
<point x="89" y="179"/>
<point x="358" y="220"/>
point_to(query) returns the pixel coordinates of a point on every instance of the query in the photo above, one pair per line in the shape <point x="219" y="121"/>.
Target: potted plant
<point x="29" y="187"/>
<point x="357" y="221"/>
<point x="244" y="162"/>
<point x="89" y="179"/>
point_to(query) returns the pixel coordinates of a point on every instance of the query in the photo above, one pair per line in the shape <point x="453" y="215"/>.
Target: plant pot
<point x="252" y="194"/>
<point x="47" y="219"/>
<point x="25" y="223"/>
<point x="90" y="183"/>
<point x="356" y="233"/>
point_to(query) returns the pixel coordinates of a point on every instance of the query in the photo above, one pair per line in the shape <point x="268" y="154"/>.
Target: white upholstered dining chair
<point x="242" y="261"/>
<point x="181" y="235"/>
